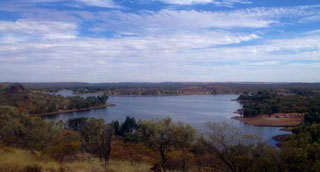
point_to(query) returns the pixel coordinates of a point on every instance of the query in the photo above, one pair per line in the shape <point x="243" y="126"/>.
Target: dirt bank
<point x="280" y="139"/>
<point x="275" y="120"/>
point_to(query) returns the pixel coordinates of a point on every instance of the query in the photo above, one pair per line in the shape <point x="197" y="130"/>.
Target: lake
<point x="191" y="109"/>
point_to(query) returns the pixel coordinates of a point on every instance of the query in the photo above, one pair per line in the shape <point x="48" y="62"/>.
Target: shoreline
<point x="164" y="95"/>
<point x="275" y="120"/>
<point x="284" y="120"/>
<point x="280" y="138"/>
<point x="249" y="121"/>
<point x="74" y="110"/>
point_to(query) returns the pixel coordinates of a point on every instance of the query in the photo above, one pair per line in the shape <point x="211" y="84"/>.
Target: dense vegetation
<point x="39" y="102"/>
<point x="158" y="145"/>
<point x="302" y="148"/>
<point x="270" y="102"/>
<point x="33" y="133"/>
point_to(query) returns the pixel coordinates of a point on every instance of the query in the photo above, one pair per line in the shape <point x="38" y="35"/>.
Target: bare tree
<point x="236" y="150"/>
<point x="104" y="144"/>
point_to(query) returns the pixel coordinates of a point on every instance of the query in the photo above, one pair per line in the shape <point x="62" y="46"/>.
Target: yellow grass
<point x="125" y="166"/>
<point x="16" y="160"/>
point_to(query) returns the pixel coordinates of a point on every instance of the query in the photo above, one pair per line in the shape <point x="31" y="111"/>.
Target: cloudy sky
<point x="160" y="40"/>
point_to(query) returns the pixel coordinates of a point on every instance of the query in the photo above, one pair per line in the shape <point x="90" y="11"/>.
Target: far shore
<point x="75" y="110"/>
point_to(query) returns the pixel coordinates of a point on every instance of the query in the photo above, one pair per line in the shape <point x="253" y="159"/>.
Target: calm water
<point x="191" y="109"/>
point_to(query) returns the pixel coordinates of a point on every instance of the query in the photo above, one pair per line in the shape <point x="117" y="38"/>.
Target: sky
<point x="159" y="40"/>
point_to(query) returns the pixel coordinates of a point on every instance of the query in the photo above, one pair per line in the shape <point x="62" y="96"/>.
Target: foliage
<point x="128" y="126"/>
<point x="185" y="137"/>
<point x="173" y="88"/>
<point x="158" y="135"/>
<point x="78" y="102"/>
<point x="238" y="151"/>
<point x="97" y="138"/>
<point x="268" y="102"/>
<point x="180" y="160"/>
<point x="179" y="146"/>
<point x="165" y="136"/>
<point x="76" y="124"/>
<point x="38" y="102"/>
<point x="66" y="143"/>
<point x="204" y="160"/>
<point x="116" y="127"/>
<point x="35" y="134"/>
<point x="311" y="117"/>
<point x="23" y="131"/>
<point x="301" y="151"/>
<point x="132" y="152"/>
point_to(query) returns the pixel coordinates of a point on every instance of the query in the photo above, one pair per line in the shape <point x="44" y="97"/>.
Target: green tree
<point x="301" y="151"/>
<point x="23" y="131"/>
<point x="159" y="135"/>
<point x="76" y="123"/>
<point x="185" y="137"/>
<point x="128" y="126"/>
<point x="116" y="127"/>
<point x="311" y="117"/>
<point x="97" y="138"/>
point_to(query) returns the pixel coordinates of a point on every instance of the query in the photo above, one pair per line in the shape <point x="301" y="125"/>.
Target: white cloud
<point x="176" y="45"/>
<point x="97" y="3"/>
<point x="167" y="21"/>
<point x="228" y="3"/>
<point x="171" y="21"/>
<point x="180" y="57"/>
<point x="38" y="29"/>
<point x="186" y="2"/>
<point x="262" y="63"/>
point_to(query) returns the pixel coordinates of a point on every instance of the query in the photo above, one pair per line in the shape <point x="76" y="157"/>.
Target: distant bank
<point x="75" y="110"/>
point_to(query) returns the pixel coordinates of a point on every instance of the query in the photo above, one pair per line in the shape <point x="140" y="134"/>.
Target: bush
<point x="24" y="131"/>
<point x="67" y="143"/>
<point x="34" y="168"/>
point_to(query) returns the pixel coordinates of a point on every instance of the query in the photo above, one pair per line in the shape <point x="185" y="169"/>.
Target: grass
<point x="17" y="160"/>
<point x="125" y="166"/>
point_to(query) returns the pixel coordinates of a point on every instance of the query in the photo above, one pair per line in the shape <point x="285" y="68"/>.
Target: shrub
<point x="67" y="143"/>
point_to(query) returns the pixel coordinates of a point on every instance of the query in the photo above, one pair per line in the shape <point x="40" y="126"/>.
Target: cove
<point x="190" y="109"/>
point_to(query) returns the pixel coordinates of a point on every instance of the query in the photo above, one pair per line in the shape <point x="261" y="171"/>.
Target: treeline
<point x="173" y="145"/>
<point x="38" y="102"/>
<point x="172" y="88"/>
<point x="79" y="103"/>
<point x="270" y="102"/>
